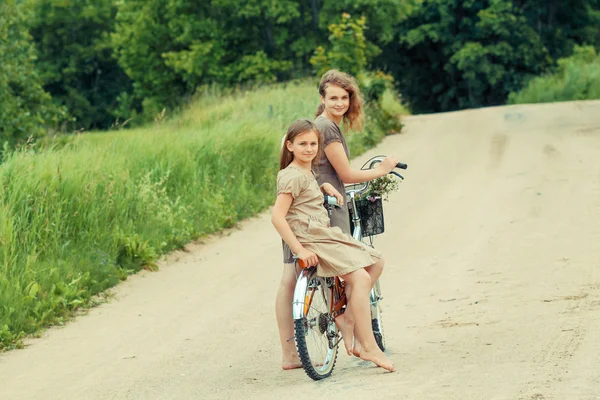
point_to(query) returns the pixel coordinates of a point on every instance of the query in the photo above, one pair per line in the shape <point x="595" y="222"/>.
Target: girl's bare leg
<point x="360" y="284"/>
<point x="345" y="324"/>
<point x="374" y="272"/>
<point x="285" y="323"/>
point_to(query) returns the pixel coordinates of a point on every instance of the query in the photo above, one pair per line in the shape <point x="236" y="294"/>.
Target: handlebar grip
<point x="401" y="165"/>
<point x="330" y="200"/>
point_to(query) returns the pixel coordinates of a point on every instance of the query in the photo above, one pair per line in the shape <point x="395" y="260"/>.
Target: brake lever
<point x="397" y="174"/>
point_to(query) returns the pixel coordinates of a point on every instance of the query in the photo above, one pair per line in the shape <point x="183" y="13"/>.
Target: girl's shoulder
<point x="329" y="130"/>
<point x="292" y="180"/>
<point x="288" y="171"/>
<point x="324" y="123"/>
<point x="291" y="172"/>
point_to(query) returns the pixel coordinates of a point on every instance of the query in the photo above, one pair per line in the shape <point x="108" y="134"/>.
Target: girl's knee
<point x="377" y="267"/>
<point x="359" y="277"/>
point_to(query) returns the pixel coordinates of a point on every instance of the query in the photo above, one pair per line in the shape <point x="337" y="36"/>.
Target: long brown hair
<point x="354" y="117"/>
<point x="297" y="128"/>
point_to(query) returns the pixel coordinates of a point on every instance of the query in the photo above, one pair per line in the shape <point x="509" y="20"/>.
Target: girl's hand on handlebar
<point x="388" y="165"/>
<point x="329" y="190"/>
<point x="308" y="257"/>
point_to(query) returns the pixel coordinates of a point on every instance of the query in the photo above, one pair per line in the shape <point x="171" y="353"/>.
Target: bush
<point x="577" y="78"/>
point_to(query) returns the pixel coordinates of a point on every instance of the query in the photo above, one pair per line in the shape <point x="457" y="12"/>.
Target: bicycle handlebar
<point x="371" y="163"/>
<point x="330" y="200"/>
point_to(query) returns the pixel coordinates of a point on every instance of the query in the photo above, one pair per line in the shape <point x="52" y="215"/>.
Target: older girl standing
<point x="342" y="103"/>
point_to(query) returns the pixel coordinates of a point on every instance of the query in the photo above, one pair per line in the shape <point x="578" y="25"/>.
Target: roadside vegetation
<point x="576" y="78"/>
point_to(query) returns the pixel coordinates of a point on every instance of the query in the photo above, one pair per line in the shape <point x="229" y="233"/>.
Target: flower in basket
<point x="381" y="187"/>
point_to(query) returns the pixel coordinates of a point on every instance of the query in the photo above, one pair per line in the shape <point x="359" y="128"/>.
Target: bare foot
<point x="346" y="328"/>
<point x="291" y="361"/>
<point x="286" y="365"/>
<point x="356" y="349"/>
<point x="378" y="358"/>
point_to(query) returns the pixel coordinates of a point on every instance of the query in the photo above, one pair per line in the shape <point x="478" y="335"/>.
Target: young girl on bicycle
<point x="303" y="223"/>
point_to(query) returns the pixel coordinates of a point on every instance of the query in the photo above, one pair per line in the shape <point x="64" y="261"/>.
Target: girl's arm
<point x="337" y="157"/>
<point x="280" y="210"/>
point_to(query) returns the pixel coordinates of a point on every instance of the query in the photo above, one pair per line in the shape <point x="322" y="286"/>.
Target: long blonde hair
<point x="353" y="118"/>
<point x="297" y="128"/>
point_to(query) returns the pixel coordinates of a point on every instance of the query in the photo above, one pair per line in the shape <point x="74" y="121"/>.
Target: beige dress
<point x="338" y="252"/>
<point x="330" y="132"/>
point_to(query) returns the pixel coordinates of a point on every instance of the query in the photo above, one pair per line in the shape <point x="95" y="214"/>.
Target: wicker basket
<point x="371" y="216"/>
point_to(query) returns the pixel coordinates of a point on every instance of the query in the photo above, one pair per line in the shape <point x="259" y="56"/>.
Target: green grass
<point x="76" y="220"/>
<point x="577" y="78"/>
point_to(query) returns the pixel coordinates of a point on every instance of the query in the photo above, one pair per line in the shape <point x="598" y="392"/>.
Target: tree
<point x="382" y="15"/>
<point x="563" y="24"/>
<point x="26" y="110"/>
<point x="452" y="55"/>
<point x="349" y="50"/>
<point x="170" y="47"/>
<point x="76" y="58"/>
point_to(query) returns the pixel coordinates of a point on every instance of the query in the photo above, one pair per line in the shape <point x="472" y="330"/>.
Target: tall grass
<point x="76" y="220"/>
<point x="577" y="78"/>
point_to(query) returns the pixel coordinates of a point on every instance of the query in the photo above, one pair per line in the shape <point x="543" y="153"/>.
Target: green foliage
<point x="112" y="63"/>
<point x="563" y="25"/>
<point x="468" y="54"/>
<point x="350" y="51"/>
<point x="577" y="78"/>
<point x="75" y="58"/>
<point x="256" y="68"/>
<point x="26" y="109"/>
<point x="381" y="15"/>
<point x="170" y="48"/>
<point x="374" y="87"/>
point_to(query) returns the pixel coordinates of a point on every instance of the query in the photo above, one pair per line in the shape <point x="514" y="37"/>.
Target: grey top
<point x="326" y="173"/>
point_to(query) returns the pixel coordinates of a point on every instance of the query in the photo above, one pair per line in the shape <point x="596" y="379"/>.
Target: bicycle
<point x="318" y="301"/>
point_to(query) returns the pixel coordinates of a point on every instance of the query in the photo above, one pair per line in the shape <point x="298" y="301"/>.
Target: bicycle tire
<point x="316" y="334"/>
<point x="377" y="319"/>
<point x="376" y="324"/>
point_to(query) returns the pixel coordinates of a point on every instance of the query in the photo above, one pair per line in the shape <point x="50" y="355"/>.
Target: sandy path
<point x="492" y="286"/>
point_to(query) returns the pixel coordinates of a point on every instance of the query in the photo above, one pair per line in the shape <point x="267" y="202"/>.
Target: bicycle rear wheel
<point x="316" y="333"/>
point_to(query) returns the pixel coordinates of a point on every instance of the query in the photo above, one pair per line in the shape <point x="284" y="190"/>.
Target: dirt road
<point x="492" y="285"/>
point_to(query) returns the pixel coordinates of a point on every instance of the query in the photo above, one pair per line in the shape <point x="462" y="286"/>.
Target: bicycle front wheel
<point x="376" y="317"/>
<point x="316" y="333"/>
